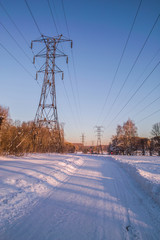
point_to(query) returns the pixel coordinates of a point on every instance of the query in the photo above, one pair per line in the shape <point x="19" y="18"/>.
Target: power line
<point x="65" y="18"/>
<point x="120" y="60"/>
<point x="146" y="67"/>
<point x="19" y="31"/>
<point x="136" y="91"/>
<point x="52" y="16"/>
<point x="138" y="56"/>
<point x="31" y="13"/>
<point x="29" y="9"/>
<point x="147" y="106"/>
<point x="149" y="116"/>
<point x="70" y="79"/>
<point x="62" y="117"/>
<point x="157" y="52"/>
<point x="24" y="68"/>
<point x="16" y="59"/>
<point x="146" y="96"/>
<point x="69" y="101"/>
<point x="57" y="21"/>
<point x="75" y="76"/>
<point x="74" y="68"/>
<point x="2" y="6"/>
<point x="19" y="46"/>
<point x="145" y="42"/>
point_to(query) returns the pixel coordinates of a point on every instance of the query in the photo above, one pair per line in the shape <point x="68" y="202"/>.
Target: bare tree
<point x="156" y="130"/>
<point x="156" y="136"/>
<point x="125" y="140"/>
<point x="130" y="132"/>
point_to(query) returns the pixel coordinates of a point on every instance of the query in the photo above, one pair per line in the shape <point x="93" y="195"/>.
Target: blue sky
<point x="99" y="30"/>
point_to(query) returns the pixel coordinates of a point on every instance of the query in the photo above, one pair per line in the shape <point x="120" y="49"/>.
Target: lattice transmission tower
<point x="82" y="138"/>
<point x="46" y="114"/>
<point x="99" y="135"/>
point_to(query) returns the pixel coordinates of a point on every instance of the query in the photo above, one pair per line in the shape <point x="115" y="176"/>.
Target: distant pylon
<point x="46" y="114"/>
<point x="99" y="135"/>
<point x="82" y="138"/>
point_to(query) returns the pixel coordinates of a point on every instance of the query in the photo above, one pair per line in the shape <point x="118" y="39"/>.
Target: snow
<point x="23" y="180"/>
<point x="146" y="172"/>
<point x="53" y="196"/>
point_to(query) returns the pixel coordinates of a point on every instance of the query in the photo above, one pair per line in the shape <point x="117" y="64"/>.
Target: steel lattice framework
<point x="46" y="114"/>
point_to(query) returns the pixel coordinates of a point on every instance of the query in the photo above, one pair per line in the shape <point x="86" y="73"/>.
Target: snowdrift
<point x="146" y="172"/>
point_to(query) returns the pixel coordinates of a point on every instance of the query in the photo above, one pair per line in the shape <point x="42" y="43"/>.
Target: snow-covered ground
<point x="68" y="197"/>
<point x="145" y="170"/>
<point x="23" y="180"/>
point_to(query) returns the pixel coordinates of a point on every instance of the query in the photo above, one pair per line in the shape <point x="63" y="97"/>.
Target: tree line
<point x="17" y="138"/>
<point x="127" y="142"/>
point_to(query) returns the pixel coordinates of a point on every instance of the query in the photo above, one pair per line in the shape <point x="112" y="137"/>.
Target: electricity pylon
<point x="99" y="135"/>
<point x="82" y="138"/>
<point x="46" y="114"/>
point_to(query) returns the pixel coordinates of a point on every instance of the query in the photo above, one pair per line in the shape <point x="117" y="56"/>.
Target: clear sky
<point x="99" y="30"/>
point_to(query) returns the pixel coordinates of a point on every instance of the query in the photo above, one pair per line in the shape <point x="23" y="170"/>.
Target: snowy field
<point x="146" y="172"/>
<point x="68" y="197"/>
<point x="25" y="180"/>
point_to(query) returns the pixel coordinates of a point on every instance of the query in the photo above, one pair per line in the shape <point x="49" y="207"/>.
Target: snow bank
<point x="23" y="180"/>
<point x="145" y="170"/>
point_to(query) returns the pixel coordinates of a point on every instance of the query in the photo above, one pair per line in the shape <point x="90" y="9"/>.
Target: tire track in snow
<point x="131" y="229"/>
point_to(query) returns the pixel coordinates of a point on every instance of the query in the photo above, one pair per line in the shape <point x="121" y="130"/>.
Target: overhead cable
<point x="148" y="116"/>
<point x="29" y="9"/>
<point x="136" y="91"/>
<point x="144" y="44"/>
<point x="146" y="106"/>
<point x="16" y="59"/>
<point x="120" y="60"/>
<point x="52" y="16"/>
<point x="13" y="22"/>
<point x="19" y="46"/>
<point x="74" y="67"/>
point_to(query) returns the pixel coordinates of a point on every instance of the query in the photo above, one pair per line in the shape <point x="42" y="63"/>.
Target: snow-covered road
<point x="99" y="201"/>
